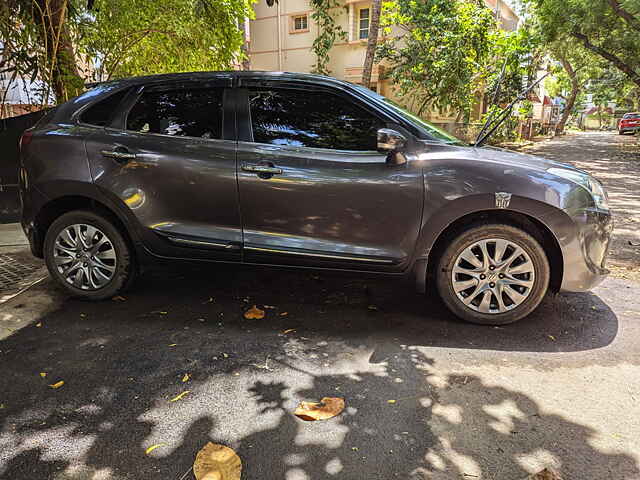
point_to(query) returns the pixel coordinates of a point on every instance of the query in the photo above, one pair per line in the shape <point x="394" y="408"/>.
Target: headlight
<point x="593" y="186"/>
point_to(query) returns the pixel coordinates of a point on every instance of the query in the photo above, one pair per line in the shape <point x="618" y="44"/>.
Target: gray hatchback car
<point x="301" y="170"/>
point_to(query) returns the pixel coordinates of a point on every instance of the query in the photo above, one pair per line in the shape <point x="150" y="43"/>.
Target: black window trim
<point x="245" y="126"/>
<point x="77" y="115"/>
<point x="228" y="113"/>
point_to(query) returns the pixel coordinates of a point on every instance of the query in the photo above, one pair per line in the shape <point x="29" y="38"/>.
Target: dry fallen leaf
<point x="173" y="344"/>
<point x="546" y="474"/>
<point x="217" y="462"/>
<point x="178" y="397"/>
<point x="38" y="324"/>
<point x="284" y="314"/>
<point x="153" y="447"/>
<point x="118" y="298"/>
<point x="57" y="384"/>
<point x="288" y="330"/>
<point x="328" y="407"/>
<point x="186" y="378"/>
<point x="43" y="374"/>
<point x="552" y="337"/>
<point x="391" y="401"/>
<point x="254" y="313"/>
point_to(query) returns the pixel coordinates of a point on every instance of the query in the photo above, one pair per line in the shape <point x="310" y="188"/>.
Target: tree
<point x="450" y="52"/>
<point x="579" y="66"/>
<point x="140" y="37"/>
<point x="37" y="42"/>
<point x="607" y="28"/>
<point x="372" y="43"/>
<point x="438" y="55"/>
<point x="324" y="13"/>
<point x="63" y="43"/>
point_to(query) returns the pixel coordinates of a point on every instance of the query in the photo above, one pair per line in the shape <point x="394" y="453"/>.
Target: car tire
<point x="93" y="245"/>
<point x="521" y="282"/>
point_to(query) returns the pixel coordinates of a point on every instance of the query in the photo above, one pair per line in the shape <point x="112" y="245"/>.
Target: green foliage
<point x="324" y="12"/>
<point x="139" y="37"/>
<point x="609" y="29"/>
<point x="449" y="52"/>
<point x="37" y="45"/>
<point x="63" y="43"/>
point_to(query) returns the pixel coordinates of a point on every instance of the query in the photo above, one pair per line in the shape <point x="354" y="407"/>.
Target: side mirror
<point x="392" y="142"/>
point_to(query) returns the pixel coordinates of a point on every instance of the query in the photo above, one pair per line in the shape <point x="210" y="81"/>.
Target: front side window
<point x="193" y="112"/>
<point x="363" y="26"/>
<point x="311" y="119"/>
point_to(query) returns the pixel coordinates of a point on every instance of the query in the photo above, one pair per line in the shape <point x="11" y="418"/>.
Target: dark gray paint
<point x="190" y="198"/>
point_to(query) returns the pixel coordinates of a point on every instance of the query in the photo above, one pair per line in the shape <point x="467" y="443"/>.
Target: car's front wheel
<point x="493" y="274"/>
<point x="88" y="255"/>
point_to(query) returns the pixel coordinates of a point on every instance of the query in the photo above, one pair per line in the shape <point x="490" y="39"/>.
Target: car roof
<point x="230" y="74"/>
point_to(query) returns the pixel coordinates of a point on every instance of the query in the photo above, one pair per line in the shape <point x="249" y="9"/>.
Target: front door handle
<point x="118" y="155"/>
<point x="266" y="169"/>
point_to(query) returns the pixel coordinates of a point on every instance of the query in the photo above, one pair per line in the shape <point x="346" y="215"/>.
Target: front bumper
<point x="585" y="250"/>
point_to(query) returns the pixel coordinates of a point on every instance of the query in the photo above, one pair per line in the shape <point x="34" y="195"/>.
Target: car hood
<point x="506" y="157"/>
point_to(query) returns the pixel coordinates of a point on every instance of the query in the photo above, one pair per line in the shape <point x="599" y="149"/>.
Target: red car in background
<point x="630" y="122"/>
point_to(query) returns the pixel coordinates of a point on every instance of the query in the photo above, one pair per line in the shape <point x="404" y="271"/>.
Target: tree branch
<point x="621" y="65"/>
<point x="628" y="17"/>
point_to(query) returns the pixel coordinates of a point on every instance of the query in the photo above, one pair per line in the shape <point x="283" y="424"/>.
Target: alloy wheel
<point x="493" y="276"/>
<point x="84" y="256"/>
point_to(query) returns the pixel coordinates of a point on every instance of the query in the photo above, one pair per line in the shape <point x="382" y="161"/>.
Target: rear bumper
<point x="585" y="251"/>
<point x="31" y="200"/>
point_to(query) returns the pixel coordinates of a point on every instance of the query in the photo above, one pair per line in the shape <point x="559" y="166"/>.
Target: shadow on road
<point x="122" y="361"/>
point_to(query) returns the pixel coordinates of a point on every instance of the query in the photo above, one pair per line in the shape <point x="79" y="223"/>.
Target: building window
<point x="363" y="24"/>
<point x="299" y="23"/>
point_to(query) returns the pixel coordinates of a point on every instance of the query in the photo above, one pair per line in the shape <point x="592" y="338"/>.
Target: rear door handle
<point x="266" y="169"/>
<point x="120" y="156"/>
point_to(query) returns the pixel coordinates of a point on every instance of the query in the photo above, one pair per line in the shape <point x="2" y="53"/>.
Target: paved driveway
<point x="427" y="396"/>
<point x="615" y="160"/>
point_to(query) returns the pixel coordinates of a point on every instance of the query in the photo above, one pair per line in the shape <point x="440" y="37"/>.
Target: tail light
<point x="25" y="139"/>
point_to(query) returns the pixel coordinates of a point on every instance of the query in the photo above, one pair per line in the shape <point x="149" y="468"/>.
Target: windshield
<point x="428" y="128"/>
<point x="430" y="131"/>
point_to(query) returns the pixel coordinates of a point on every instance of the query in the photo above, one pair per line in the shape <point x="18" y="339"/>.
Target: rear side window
<point x="180" y="113"/>
<point x="311" y="119"/>
<point x="102" y="112"/>
<point x="629" y="116"/>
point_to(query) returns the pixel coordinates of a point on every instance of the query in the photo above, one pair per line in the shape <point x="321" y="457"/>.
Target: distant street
<point x="427" y="397"/>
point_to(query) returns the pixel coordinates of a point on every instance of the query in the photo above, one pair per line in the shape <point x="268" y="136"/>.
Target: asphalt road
<point x="558" y="389"/>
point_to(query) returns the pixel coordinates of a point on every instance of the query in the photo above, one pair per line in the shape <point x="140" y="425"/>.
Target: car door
<point x="314" y="191"/>
<point x="168" y="158"/>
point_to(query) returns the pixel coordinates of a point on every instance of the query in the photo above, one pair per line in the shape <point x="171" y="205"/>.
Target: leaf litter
<point x="217" y="462"/>
<point x="327" y="408"/>
<point x="254" y="313"/>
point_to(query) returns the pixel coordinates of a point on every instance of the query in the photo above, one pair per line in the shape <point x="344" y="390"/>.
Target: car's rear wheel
<point x="493" y="274"/>
<point x="88" y="255"/>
